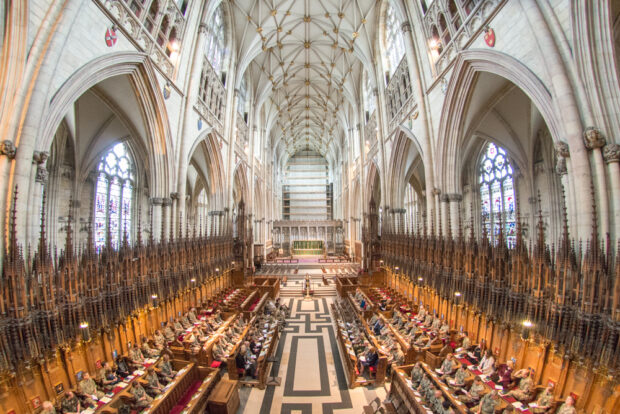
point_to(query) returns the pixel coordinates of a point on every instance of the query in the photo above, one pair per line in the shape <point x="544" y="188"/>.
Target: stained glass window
<point x="369" y="97"/>
<point x="215" y="45"/>
<point x="497" y="195"/>
<point x="113" y="196"/>
<point x="394" y="41"/>
<point x="411" y="207"/>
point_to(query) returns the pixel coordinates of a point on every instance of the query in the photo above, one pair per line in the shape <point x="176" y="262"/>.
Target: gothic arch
<point x="467" y="65"/>
<point x="405" y="151"/>
<point x="136" y="65"/>
<point x="215" y="176"/>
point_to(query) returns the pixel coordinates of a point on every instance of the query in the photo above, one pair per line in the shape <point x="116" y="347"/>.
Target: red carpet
<point x="185" y="398"/>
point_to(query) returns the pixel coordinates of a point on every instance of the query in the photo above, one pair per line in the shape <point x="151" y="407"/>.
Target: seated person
<point x="488" y="404"/>
<point x="159" y="340"/>
<point x="71" y="404"/>
<point x="108" y="377"/>
<point x="154" y="387"/>
<point x="243" y="363"/>
<point x="383" y="305"/>
<point x="465" y="342"/>
<point x="480" y="350"/>
<point x="147" y="351"/>
<point x="487" y="363"/>
<point x="436" y="401"/>
<point x="544" y="400"/>
<point x="370" y="359"/>
<point x="191" y="316"/>
<point x="141" y="398"/>
<point x="428" y="320"/>
<point x="89" y="387"/>
<point x="169" y="333"/>
<point x="185" y="322"/>
<point x="568" y="407"/>
<point x="135" y="355"/>
<point x="178" y="327"/>
<point x="421" y="340"/>
<point x="525" y="390"/>
<point x="447" y="366"/>
<point x="476" y="391"/>
<point x="458" y="380"/>
<point x="47" y="408"/>
<point x="397" y="357"/>
<point x="421" y="314"/>
<point x="444" y="329"/>
<point x="165" y="369"/>
<point x="504" y="375"/>
<point x="416" y="374"/>
<point x="436" y="324"/>
<point x="122" y="366"/>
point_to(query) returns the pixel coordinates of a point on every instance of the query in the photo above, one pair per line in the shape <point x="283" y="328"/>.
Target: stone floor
<point x="313" y="380"/>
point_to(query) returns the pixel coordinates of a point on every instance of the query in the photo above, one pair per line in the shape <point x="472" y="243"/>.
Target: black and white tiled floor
<point x="313" y="379"/>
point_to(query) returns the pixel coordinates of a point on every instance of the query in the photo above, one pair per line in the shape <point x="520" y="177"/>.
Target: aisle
<point x="313" y="380"/>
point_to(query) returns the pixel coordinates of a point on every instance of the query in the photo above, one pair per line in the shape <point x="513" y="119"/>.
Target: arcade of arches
<point x="310" y="206"/>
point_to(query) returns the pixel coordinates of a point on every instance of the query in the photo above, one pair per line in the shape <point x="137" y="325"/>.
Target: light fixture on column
<point x="527" y="325"/>
<point x="85" y="331"/>
<point x="154" y="300"/>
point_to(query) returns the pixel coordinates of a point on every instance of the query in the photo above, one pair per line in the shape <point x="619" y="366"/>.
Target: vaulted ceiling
<point x="304" y="60"/>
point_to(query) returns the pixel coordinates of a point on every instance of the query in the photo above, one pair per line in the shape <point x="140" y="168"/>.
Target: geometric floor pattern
<point x="308" y="362"/>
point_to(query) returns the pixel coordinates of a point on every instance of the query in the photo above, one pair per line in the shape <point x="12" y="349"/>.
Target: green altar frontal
<point x="307" y="247"/>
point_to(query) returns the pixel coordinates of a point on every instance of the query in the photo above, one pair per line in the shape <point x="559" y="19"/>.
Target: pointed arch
<point x="158" y="142"/>
<point x="467" y="65"/>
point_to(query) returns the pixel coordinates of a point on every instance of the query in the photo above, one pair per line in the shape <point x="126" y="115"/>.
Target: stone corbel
<point x="156" y="201"/>
<point x="8" y="148"/>
<point x="593" y="138"/>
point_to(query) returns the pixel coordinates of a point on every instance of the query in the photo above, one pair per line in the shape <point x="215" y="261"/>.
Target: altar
<point x="309" y="237"/>
<point x="308" y="247"/>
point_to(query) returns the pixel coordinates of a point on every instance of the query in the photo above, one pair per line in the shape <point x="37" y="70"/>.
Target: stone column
<point x="41" y="175"/>
<point x="611" y="154"/>
<point x="193" y="89"/>
<point x="445" y="212"/>
<point x="418" y="92"/>
<point x="594" y="141"/>
<point x="176" y="214"/>
<point x="561" y="168"/>
<point x="156" y="203"/>
<point x="455" y="210"/>
<point x="435" y="212"/>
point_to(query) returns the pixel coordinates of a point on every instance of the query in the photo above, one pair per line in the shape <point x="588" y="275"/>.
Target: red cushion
<point x="240" y="371"/>
<point x="373" y="369"/>
<point x="215" y="364"/>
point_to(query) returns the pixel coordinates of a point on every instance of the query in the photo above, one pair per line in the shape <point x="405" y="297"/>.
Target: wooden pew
<point x="230" y="361"/>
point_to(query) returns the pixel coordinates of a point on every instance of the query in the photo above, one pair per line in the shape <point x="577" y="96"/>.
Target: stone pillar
<point x="435" y="212"/>
<point x="445" y="212"/>
<point x="561" y="168"/>
<point x="41" y="175"/>
<point x="176" y="214"/>
<point x="594" y="141"/>
<point x="455" y="210"/>
<point x="420" y="96"/>
<point x="188" y="123"/>
<point x="611" y="154"/>
<point x="156" y="203"/>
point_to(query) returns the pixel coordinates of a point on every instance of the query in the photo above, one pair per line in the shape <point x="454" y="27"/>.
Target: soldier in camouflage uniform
<point x="71" y="403"/>
<point x="488" y="403"/>
<point x="142" y="399"/>
<point x="544" y="400"/>
<point x="459" y="377"/>
<point x="525" y="389"/>
<point x="89" y="387"/>
<point x="475" y="392"/>
<point x="153" y="386"/>
<point x="568" y="407"/>
<point x="136" y="356"/>
<point x="416" y="374"/>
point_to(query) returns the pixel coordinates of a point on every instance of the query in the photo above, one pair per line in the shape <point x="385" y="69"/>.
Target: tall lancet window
<point x="113" y="196"/>
<point x="394" y="40"/>
<point x="215" y="46"/>
<point x="497" y="194"/>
